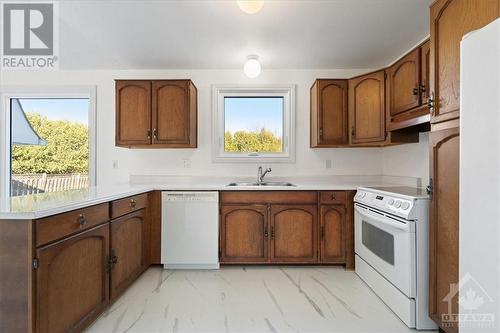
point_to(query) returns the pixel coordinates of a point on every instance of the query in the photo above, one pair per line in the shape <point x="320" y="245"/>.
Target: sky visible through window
<point x="71" y="109"/>
<point x="254" y="113"/>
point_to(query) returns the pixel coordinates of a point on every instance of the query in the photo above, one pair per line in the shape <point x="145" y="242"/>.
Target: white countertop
<point x="46" y="204"/>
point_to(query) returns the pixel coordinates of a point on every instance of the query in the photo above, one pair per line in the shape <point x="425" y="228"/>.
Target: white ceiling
<point x="207" y="34"/>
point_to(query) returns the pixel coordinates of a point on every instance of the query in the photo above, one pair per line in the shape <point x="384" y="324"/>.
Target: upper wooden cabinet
<point x="329" y="117"/>
<point x="133" y="113"/>
<point x="407" y="90"/>
<point x="450" y="21"/>
<point x="367" y="108"/>
<point x="404" y="78"/>
<point x="156" y="114"/>
<point x="174" y="113"/>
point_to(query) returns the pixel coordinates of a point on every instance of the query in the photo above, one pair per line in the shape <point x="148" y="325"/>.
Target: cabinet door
<point x="367" y="108"/>
<point x="133" y="113"/>
<point x="244" y="234"/>
<point x="425" y="52"/>
<point x="174" y="115"/>
<point x="405" y="74"/>
<point x="443" y="241"/>
<point x="332" y="233"/>
<point x="294" y="233"/>
<point x="127" y="251"/>
<point x="450" y="21"/>
<point x="72" y="281"/>
<point x="329" y="113"/>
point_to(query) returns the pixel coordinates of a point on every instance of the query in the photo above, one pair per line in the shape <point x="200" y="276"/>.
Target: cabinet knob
<point x="82" y="220"/>
<point x="272" y="232"/>
<point x="149" y="134"/>
<point x="155" y="134"/>
<point x="133" y="203"/>
<point x="333" y="196"/>
<point x="266" y="234"/>
<point x="422" y="88"/>
<point x="415" y="91"/>
<point x="321" y="132"/>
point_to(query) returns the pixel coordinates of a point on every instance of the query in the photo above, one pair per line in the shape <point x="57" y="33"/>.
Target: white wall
<point x="411" y="160"/>
<point x="348" y="161"/>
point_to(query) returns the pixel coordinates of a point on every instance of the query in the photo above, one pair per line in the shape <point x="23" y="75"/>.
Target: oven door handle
<point x="385" y="221"/>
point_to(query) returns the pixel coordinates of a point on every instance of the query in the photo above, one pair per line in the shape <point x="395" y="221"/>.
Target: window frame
<point x="9" y="92"/>
<point x="287" y="92"/>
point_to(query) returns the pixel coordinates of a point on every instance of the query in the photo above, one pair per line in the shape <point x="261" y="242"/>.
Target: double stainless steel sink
<point x="261" y="184"/>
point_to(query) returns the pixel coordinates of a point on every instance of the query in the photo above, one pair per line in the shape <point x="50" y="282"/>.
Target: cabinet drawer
<point x="268" y="197"/>
<point x="332" y="197"/>
<point x="59" y="226"/>
<point x="128" y="205"/>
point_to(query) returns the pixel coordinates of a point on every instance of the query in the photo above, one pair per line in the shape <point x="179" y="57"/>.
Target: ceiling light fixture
<point x="250" y="6"/>
<point x="252" y="66"/>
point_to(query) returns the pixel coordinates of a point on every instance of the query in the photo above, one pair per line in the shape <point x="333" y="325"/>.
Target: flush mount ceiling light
<point x="252" y="66"/>
<point x="250" y="6"/>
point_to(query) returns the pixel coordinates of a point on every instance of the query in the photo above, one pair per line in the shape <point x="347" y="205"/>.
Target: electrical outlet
<point x="328" y="164"/>
<point x="186" y="163"/>
<point x="115" y="164"/>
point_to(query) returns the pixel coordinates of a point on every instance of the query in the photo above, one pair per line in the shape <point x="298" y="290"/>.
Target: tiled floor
<point x="249" y="299"/>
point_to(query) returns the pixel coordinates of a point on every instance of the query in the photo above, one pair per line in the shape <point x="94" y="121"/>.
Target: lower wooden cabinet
<point x="332" y="233"/>
<point x="244" y="234"/>
<point x="301" y="227"/>
<point x="294" y="233"/>
<point x="127" y="251"/>
<point x="72" y="281"/>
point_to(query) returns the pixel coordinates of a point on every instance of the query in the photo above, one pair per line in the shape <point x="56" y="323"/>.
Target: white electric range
<point x="391" y="245"/>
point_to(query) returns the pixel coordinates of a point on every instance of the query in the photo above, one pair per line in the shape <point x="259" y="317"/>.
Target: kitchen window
<point x="253" y="124"/>
<point x="48" y="144"/>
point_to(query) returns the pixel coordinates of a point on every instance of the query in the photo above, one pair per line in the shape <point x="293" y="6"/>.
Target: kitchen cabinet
<point x="294" y="233"/>
<point x="60" y="272"/>
<point x="450" y="21"/>
<point x="127" y="255"/>
<point x="404" y="78"/>
<point x="174" y="113"/>
<point x="332" y="233"/>
<point x="133" y="113"/>
<point x="156" y="114"/>
<point x="329" y="113"/>
<point x="443" y="224"/>
<point x="283" y="227"/>
<point x="72" y="281"/>
<point x="244" y="233"/>
<point x="408" y="91"/>
<point x="367" y="108"/>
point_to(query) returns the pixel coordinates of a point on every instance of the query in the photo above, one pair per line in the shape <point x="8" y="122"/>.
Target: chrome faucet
<point x="260" y="175"/>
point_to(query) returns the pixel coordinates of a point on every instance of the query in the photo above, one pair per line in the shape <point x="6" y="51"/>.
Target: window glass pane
<point x="253" y="124"/>
<point x="49" y="144"/>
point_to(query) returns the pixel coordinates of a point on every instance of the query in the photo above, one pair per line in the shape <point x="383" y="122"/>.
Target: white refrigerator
<point x="479" y="263"/>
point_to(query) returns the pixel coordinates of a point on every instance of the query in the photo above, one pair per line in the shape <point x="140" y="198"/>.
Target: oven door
<point x="387" y="243"/>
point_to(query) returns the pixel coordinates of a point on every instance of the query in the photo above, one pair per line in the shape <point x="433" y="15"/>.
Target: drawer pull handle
<point x="82" y="220"/>
<point x="333" y="196"/>
<point x="133" y="203"/>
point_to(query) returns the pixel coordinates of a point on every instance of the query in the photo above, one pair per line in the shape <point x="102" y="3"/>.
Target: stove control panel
<point x="388" y="203"/>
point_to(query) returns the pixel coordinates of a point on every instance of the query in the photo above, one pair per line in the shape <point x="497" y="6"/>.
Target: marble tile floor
<point x="249" y="299"/>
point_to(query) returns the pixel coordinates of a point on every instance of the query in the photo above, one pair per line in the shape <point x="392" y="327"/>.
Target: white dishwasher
<point x="190" y="230"/>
